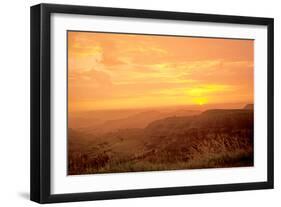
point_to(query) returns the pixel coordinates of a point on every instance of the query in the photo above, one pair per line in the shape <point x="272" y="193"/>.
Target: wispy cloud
<point x="115" y="70"/>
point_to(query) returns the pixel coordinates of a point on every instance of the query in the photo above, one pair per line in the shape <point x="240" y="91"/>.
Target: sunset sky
<point x="118" y="71"/>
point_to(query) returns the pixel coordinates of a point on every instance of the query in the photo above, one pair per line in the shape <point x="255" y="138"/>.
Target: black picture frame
<point x="41" y="97"/>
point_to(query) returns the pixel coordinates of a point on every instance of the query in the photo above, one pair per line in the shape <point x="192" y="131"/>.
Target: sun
<point x="200" y="101"/>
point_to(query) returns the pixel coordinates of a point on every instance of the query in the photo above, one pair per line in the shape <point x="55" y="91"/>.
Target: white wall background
<point x="14" y="101"/>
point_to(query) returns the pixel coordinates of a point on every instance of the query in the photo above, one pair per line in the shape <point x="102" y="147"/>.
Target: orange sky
<point x="116" y="71"/>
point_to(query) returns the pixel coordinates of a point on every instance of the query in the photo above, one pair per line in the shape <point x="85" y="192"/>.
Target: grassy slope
<point x="216" y="138"/>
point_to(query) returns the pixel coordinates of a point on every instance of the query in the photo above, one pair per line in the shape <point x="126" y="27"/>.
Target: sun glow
<point x="200" y="101"/>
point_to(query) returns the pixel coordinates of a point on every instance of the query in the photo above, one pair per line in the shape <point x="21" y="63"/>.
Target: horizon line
<point x="203" y="107"/>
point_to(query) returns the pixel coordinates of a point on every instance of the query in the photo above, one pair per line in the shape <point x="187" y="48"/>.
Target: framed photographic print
<point x="133" y="103"/>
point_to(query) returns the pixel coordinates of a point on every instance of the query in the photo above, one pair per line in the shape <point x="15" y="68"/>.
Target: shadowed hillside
<point x="214" y="138"/>
<point x="100" y="122"/>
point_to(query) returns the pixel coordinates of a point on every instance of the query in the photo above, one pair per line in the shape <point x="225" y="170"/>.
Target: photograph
<point x="154" y="102"/>
<point x="132" y="103"/>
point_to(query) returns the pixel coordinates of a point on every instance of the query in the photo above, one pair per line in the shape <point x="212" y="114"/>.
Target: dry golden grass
<point x="216" y="152"/>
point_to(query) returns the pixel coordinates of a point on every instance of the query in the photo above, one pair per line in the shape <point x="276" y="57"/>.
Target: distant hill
<point x="138" y="120"/>
<point x="249" y="107"/>
<point x="223" y="119"/>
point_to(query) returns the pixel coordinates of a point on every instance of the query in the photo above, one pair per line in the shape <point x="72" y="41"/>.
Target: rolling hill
<point x="214" y="138"/>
